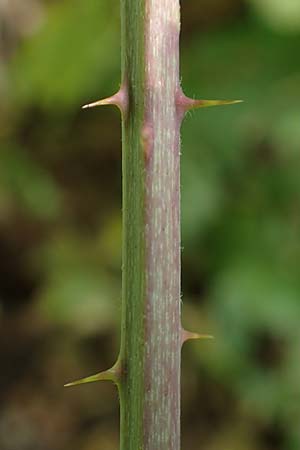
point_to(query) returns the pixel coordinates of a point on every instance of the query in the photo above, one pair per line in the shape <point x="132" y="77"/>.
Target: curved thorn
<point x="112" y="374"/>
<point x="188" y="335"/>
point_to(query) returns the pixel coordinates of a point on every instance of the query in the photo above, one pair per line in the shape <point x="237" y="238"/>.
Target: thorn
<point x="207" y="103"/>
<point x="105" y="101"/>
<point x="112" y="374"/>
<point x="119" y="99"/>
<point x="101" y="376"/>
<point x="185" y="103"/>
<point x="188" y="335"/>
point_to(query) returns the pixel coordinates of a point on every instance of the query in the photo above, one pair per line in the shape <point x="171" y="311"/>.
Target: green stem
<point x="152" y="104"/>
<point x="151" y="330"/>
<point x="131" y="389"/>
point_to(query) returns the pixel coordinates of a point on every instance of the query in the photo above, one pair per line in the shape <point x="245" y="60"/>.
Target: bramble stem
<point x="151" y="330"/>
<point x="152" y="104"/>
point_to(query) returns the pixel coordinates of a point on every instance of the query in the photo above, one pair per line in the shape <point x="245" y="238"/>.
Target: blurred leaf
<point x="282" y="15"/>
<point x="23" y="183"/>
<point x="74" y="53"/>
<point x="77" y="290"/>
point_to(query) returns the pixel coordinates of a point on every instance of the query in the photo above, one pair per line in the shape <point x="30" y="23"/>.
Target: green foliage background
<point x="60" y="224"/>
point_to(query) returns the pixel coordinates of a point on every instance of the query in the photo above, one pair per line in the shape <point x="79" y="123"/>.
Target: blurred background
<point x="60" y="224"/>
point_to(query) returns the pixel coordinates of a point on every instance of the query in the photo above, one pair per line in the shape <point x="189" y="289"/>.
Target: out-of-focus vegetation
<point x="60" y="224"/>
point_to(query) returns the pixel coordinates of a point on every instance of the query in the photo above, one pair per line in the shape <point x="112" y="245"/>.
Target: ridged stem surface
<point x="162" y="228"/>
<point x="151" y="330"/>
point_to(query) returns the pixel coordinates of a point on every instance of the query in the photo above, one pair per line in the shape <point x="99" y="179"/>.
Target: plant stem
<point x="152" y="104"/>
<point x="131" y="387"/>
<point x="151" y="331"/>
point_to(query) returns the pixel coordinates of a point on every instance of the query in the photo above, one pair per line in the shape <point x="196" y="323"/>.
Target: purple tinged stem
<point x="152" y="335"/>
